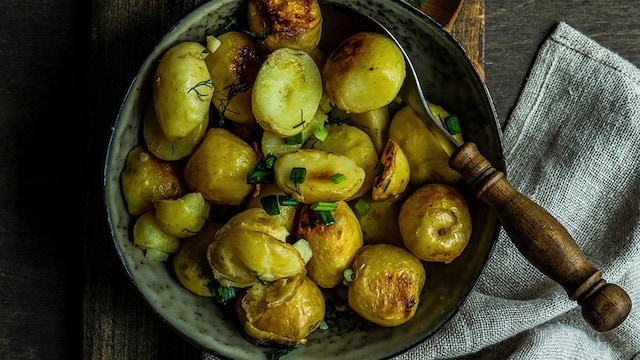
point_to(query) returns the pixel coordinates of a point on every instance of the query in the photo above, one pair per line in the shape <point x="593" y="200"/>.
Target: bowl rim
<point x="478" y="80"/>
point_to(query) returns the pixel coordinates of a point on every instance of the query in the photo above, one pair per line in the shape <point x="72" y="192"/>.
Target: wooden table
<point x="66" y="67"/>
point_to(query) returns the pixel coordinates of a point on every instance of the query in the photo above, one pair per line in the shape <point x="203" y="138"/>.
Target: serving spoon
<point x="539" y="237"/>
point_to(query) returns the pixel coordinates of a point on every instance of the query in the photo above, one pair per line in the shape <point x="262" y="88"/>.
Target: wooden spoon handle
<point x="544" y="241"/>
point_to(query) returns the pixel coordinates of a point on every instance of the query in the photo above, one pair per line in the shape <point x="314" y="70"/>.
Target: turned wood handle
<point x="543" y="241"/>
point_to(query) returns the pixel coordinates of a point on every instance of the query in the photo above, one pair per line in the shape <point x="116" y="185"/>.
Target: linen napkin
<point x="571" y="146"/>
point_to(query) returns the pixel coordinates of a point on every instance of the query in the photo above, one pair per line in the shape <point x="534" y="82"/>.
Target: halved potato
<point x="318" y="167"/>
<point x="395" y="174"/>
<point x="287" y="92"/>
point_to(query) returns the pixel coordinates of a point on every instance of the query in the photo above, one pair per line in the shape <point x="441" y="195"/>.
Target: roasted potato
<point x="182" y="89"/>
<point x="319" y="168"/>
<point x="435" y="223"/>
<point x="428" y="161"/>
<point x="395" y="174"/>
<point x="146" y="179"/>
<point x="163" y="148"/>
<point x="190" y="262"/>
<point x="182" y="217"/>
<point x="273" y="144"/>
<point x="295" y="24"/>
<point x="286" y="215"/>
<point x="333" y="246"/>
<point x="219" y="166"/>
<point x="289" y="323"/>
<point x="375" y="123"/>
<point x="148" y="236"/>
<point x="353" y="143"/>
<point x="233" y="68"/>
<point x="245" y="252"/>
<point x="385" y="285"/>
<point x="379" y="219"/>
<point x="364" y="72"/>
<point x="287" y="92"/>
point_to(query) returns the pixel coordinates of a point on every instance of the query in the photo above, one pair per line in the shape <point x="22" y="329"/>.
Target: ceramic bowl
<point x="448" y="78"/>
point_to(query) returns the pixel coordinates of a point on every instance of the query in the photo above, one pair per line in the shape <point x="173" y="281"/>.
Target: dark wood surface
<point x="66" y="65"/>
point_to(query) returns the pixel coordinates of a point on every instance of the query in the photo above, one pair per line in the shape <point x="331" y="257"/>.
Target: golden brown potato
<point x="353" y="143"/>
<point x="428" y="161"/>
<point x="286" y="214"/>
<point x="245" y="251"/>
<point x="146" y="179"/>
<point x="163" y="148"/>
<point x="386" y="284"/>
<point x="287" y="92"/>
<point x="318" y="167"/>
<point x="278" y="146"/>
<point x="296" y="24"/>
<point x="233" y="68"/>
<point x="435" y="223"/>
<point x="182" y="89"/>
<point x="333" y="246"/>
<point x="395" y="174"/>
<point x="289" y="323"/>
<point x="379" y="219"/>
<point x="375" y="123"/>
<point x="219" y="166"/>
<point x="190" y="262"/>
<point x="148" y="236"/>
<point x="182" y="217"/>
<point x="364" y="72"/>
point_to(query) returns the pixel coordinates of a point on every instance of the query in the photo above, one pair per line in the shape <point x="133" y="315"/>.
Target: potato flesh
<point x="182" y="89"/>
<point x="353" y="143"/>
<point x="287" y="92"/>
<point x="395" y="175"/>
<point x="320" y="166"/>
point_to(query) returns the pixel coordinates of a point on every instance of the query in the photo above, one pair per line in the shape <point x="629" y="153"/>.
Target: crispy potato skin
<point x="233" y="68"/>
<point x="296" y="24"/>
<point x="146" y="179"/>
<point x="386" y="286"/>
<point x="334" y="246"/>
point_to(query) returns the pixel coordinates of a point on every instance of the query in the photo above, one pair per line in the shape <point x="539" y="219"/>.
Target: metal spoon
<point x="537" y="234"/>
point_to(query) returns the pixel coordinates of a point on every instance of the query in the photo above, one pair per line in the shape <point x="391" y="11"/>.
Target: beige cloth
<point x="572" y="145"/>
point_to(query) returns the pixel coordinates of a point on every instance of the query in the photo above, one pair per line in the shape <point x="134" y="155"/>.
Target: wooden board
<point x="117" y="324"/>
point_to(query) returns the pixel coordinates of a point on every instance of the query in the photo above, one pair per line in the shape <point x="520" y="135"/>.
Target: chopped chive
<point x="321" y="132"/>
<point x="387" y="186"/>
<point x="298" y="175"/>
<point x="285" y="200"/>
<point x="378" y="169"/>
<point x="453" y="124"/>
<point x="270" y="204"/>
<point x="269" y="161"/>
<point x="225" y="293"/>
<point x="347" y="276"/>
<point x="260" y="177"/>
<point x="293" y="140"/>
<point x="324" y="206"/>
<point x="362" y="207"/>
<point x="326" y="217"/>
<point x="338" y="178"/>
